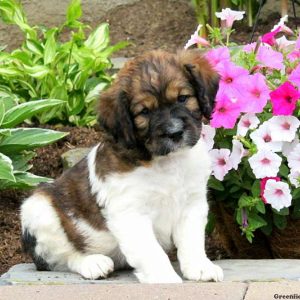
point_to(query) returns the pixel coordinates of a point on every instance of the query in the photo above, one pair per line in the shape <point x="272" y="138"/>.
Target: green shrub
<point x="17" y="144"/>
<point x="44" y="67"/>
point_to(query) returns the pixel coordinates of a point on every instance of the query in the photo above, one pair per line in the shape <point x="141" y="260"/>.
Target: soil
<point x="149" y="24"/>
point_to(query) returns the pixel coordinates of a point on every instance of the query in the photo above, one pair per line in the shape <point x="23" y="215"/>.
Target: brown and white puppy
<point x="142" y="189"/>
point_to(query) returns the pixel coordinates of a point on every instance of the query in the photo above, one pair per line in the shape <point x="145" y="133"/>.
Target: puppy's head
<point x="158" y="101"/>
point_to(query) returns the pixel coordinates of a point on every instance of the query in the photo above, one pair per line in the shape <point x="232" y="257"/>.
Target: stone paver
<point x="234" y="270"/>
<point x="186" y="291"/>
<point x="273" y="290"/>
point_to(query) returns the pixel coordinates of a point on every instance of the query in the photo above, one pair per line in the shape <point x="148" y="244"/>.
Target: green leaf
<point x="74" y="11"/>
<point x="284" y="170"/>
<point x="260" y="206"/>
<point x="99" y="38"/>
<point x="37" y="71"/>
<point x="20" y="161"/>
<point x="279" y="221"/>
<point x="6" y="168"/>
<point x="28" y="138"/>
<point x="296" y="193"/>
<point x="215" y="184"/>
<point x="2" y="111"/>
<point x="50" y="48"/>
<point x="255" y="189"/>
<point x="9" y="71"/>
<point x="24" y="180"/>
<point x="21" y="112"/>
<point x="283" y="212"/>
<point x="255" y="221"/>
<point x="34" y="47"/>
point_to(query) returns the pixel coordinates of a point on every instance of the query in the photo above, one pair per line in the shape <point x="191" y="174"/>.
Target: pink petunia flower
<point x="283" y="128"/>
<point x="196" y="39"/>
<point x="262" y="137"/>
<point x="256" y="93"/>
<point x="221" y="163"/>
<point x="294" y="55"/>
<point x="277" y="194"/>
<point x="218" y="55"/>
<point x="284" y="99"/>
<point x="269" y="38"/>
<point x="263" y="182"/>
<point x="265" y="163"/>
<point x="232" y="77"/>
<point x="270" y="58"/>
<point x="247" y="121"/>
<point x="207" y="134"/>
<point x="237" y="153"/>
<point x="229" y="16"/>
<point x="226" y="112"/>
<point x="295" y="76"/>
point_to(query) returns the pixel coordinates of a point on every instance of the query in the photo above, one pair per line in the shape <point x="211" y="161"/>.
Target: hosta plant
<point x="45" y="67"/>
<point x="253" y="136"/>
<point x="17" y="144"/>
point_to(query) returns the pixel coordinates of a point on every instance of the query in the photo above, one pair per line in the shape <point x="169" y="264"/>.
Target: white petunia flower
<point x="283" y="43"/>
<point x="294" y="178"/>
<point x="207" y="134"/>
<point x="294" y="158"/>
<point x="247" y="121"/>
<point x="221" y="163"/>
<point x="262" y="137"/>
<point x="278" y="194"/>
<point x="281" y="24"/>
<point x="265" y="163"/>
<point x="230" y="16"/>
<point x="288" y="147"/>
<point x="237" y="153"/>
<point x="283" y="128"/>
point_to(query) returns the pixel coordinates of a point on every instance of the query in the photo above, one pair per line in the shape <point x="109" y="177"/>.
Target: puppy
<point x="141" y="190"/>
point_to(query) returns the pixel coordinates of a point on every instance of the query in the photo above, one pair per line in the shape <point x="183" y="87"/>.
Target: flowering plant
<point x="253" y="136"/>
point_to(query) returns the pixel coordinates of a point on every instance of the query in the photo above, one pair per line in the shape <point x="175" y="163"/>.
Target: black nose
<point x="176" y="136"/>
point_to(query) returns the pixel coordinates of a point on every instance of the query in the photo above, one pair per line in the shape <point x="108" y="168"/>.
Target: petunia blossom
<point x="262" y="137"/>
<point x="294" y="55"/>
<point x="283" y="128"/>
<point x="288" y="147"/>
<point x="263" y="182"/>
<point x="232" y="77"/>
<point x="294" y="77"/>
<point x="221" y="163"/>
<point x="265" y="163"/>
<point x="277" y="194"/>
<point x="294" y="158"/>
<point x="283" y="43"/>
<point x="208" y="134"/>
<point x="229" y="16"/>
<point x="294" y="178"/>
<point x="226" y="112"/>
<point x="237" y="153"/>
<point x="246" y="122"/>
<point x="196" y="39"/>
<point x="284" y="99"/>
<point x="218" y="55"/>
<point x="269" y="38"/>
<point x="282" y="26"/>
<point x="256" y="93"/>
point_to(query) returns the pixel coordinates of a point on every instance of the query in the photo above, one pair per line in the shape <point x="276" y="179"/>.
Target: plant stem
<point x="250" y="13"/>
<point x="214" y="8"/>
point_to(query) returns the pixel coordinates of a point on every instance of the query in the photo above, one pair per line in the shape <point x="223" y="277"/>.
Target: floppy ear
<point x="115" y="117"/>
<point x="203" y="78"/>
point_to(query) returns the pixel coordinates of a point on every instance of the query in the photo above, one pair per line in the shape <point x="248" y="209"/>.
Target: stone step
<point x="234" y="271"/>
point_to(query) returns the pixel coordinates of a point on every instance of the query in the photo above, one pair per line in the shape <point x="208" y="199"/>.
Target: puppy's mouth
<point x="166" y="143"/>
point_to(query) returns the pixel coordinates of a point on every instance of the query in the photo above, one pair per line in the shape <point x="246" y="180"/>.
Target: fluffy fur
<point x="141" y="190"/>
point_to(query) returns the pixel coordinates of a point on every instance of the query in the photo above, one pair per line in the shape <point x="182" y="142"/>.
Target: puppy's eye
<point x="182" y="98"/>
<point x="145" y="111"/>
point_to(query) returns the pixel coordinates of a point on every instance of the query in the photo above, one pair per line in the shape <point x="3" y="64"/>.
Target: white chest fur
<point x="160" y="192"/>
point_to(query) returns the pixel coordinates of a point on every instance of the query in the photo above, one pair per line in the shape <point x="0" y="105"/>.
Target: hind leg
<point x="46" y="241"/>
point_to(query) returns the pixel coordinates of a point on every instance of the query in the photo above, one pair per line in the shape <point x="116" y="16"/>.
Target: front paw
<point x="203" y="270"/>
